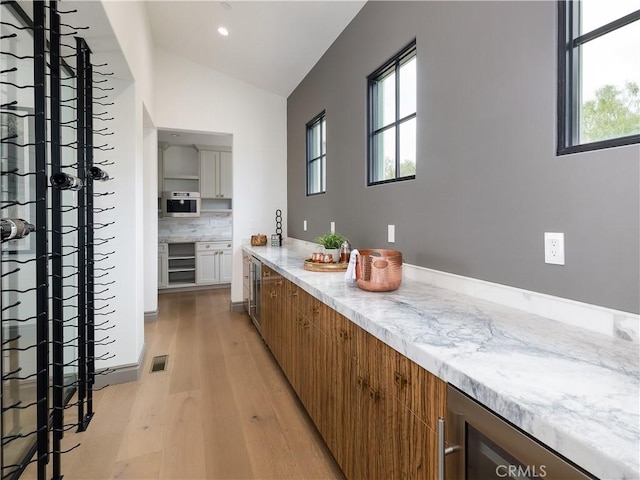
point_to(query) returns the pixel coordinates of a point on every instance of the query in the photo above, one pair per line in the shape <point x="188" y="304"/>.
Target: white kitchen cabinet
<point x="226" y="266"/>
<point x="163" y="265"/>
<point x="213" y="262"/>
<point x="215" y="174"/>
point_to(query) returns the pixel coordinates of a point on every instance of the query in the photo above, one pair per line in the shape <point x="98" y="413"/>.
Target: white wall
<point x="132" y="30"/>
<point x="190" y="96"/>
<point x="150" y="217"/>
<point x="127" y="246"/>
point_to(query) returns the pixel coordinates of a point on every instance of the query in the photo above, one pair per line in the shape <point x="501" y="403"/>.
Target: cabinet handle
<point x="246" y="276"/>
<point x="315" y="310"/>
<point x="274" y="294"/>
<point x="279" y="282"/>
<point x="443" y="451"/>
<point x="266" y="274"/>
<point x="374" y="394"/>
<point x="362" y="383"/>
<point x="344" y="336"/>
<point x="399" y="379"/>
<point x="294" y="293"/>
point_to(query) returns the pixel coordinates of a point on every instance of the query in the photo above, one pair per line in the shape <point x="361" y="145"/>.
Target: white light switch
<point x="304" y="225"/>
<point x="391" y="233"/>
<point x="333" y="227"/>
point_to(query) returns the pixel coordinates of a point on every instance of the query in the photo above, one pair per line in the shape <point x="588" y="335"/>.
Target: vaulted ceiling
<point x="271" y="44"/>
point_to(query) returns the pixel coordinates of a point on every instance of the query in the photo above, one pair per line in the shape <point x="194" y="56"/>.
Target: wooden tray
<point x="324" y="267"/>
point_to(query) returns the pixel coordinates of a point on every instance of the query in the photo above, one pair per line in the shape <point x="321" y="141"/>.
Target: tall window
<point x="392" y="119"/>
<point x="317" y="155"/>
<point x="598" y="74"/>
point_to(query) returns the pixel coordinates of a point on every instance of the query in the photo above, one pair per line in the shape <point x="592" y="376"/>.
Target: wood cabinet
<point x="376" y="409"/>
<point x="213" y="262"/>
<point x="215" y="174"/>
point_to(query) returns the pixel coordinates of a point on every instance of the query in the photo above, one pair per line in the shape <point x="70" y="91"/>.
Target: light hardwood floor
<point x="222" y="409"/>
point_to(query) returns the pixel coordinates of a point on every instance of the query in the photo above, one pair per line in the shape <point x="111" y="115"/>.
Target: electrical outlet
<point x="304" y="225"/>
<point x="333" y="227"/>
<point x="554" y="248"/>
<point x="391" y="233"/>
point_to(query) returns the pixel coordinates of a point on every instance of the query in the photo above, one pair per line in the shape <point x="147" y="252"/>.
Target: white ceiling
<point x="271" y="44"/>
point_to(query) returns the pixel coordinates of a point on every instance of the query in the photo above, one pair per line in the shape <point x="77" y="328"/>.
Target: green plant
<point x="330" y="240"/>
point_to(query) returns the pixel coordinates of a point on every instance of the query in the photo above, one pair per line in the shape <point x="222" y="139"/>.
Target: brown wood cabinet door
<point x="412" y="445"/>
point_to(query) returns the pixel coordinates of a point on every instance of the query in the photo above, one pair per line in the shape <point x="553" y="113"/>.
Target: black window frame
<point x="321" y="120"/>
<point x="393" y="64"/>
<point x="569" y="41"/>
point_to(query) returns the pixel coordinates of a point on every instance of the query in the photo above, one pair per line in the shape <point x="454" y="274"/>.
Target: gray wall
<point x="488" y="182"/>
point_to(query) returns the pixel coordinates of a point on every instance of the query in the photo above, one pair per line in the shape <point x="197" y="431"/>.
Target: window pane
<point x="408" y="88"/>
<point x="384" y="167"/>
<point x="610" y="100"/>
<point x="323" y="145"/>
<point x="408" y="148"/>
<point x="315" y="141"/>
<point x="596" y="13"/>
<point x="386" y="100"/>
<point x="315" y="177"/>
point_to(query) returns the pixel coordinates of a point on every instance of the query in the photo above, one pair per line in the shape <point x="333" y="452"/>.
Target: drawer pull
<point x="399" y="379"/>
<point x="266" y="274"/>
<point x="279" y="282"/>
<point x="274" y="294"/>
<point x="294" y="293"/>
<point x="344" y="336"/>
<point x="374" y="394"/>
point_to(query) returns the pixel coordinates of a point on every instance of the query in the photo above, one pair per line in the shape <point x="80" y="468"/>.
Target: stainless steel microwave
<point x="181" y="204"/>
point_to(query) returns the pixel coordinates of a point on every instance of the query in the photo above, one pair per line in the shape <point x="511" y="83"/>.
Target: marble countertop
<point x="575" y="390"/>
<point x="185" y="239"/>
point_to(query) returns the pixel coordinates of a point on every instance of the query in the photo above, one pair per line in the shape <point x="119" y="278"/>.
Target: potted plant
<point x="331" y="243"/>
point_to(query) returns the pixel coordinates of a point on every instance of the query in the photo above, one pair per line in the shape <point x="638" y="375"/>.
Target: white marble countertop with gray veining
<point x="575" y="390"/>
<point x="192" y="239"/>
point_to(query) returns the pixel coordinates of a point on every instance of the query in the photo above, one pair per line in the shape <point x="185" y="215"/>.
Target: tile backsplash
<point x="208" y="225"/>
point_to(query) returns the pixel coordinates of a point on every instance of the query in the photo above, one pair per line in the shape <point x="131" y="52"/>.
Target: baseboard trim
<point x="121" y="374"/>
<point x="150" y="317"/>
<point x="237" y="307"/>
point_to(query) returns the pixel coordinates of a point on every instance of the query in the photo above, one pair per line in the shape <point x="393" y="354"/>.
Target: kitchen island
<point x="574" y="390"/>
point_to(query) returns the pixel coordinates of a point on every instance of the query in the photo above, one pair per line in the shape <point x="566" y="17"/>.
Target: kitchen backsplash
<point x="214" y="225"/>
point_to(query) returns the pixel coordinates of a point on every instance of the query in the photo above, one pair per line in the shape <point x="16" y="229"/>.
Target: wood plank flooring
<point x="222" y="409"/>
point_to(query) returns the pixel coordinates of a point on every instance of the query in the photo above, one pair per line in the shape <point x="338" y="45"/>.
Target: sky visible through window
<point x="615" y="58"/>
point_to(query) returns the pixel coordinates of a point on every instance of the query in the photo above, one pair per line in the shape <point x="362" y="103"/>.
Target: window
<point x="598" y="74"/>
<point x="392" y="119"/>
<point x="317" y="155"/>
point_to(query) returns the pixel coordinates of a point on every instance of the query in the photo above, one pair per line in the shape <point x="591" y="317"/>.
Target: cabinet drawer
<point x="206" y="246"/>
<point x="162" y="248"/>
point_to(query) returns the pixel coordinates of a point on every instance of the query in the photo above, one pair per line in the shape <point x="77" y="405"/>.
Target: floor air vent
<point x="159" y="363"/>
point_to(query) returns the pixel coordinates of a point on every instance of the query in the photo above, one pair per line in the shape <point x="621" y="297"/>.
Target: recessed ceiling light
<point x="225" y="5"/>
<point x="223" y="31"/>
<point x="175" y="135"/>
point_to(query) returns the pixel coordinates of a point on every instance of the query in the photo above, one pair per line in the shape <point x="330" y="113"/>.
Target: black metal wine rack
<point x="53" y="269"/>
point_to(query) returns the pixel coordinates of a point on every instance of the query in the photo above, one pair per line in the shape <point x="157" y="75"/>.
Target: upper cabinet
<point x="197" y="168"/>
<point x="215" y="173"/>
<point x="180" y="168"/>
